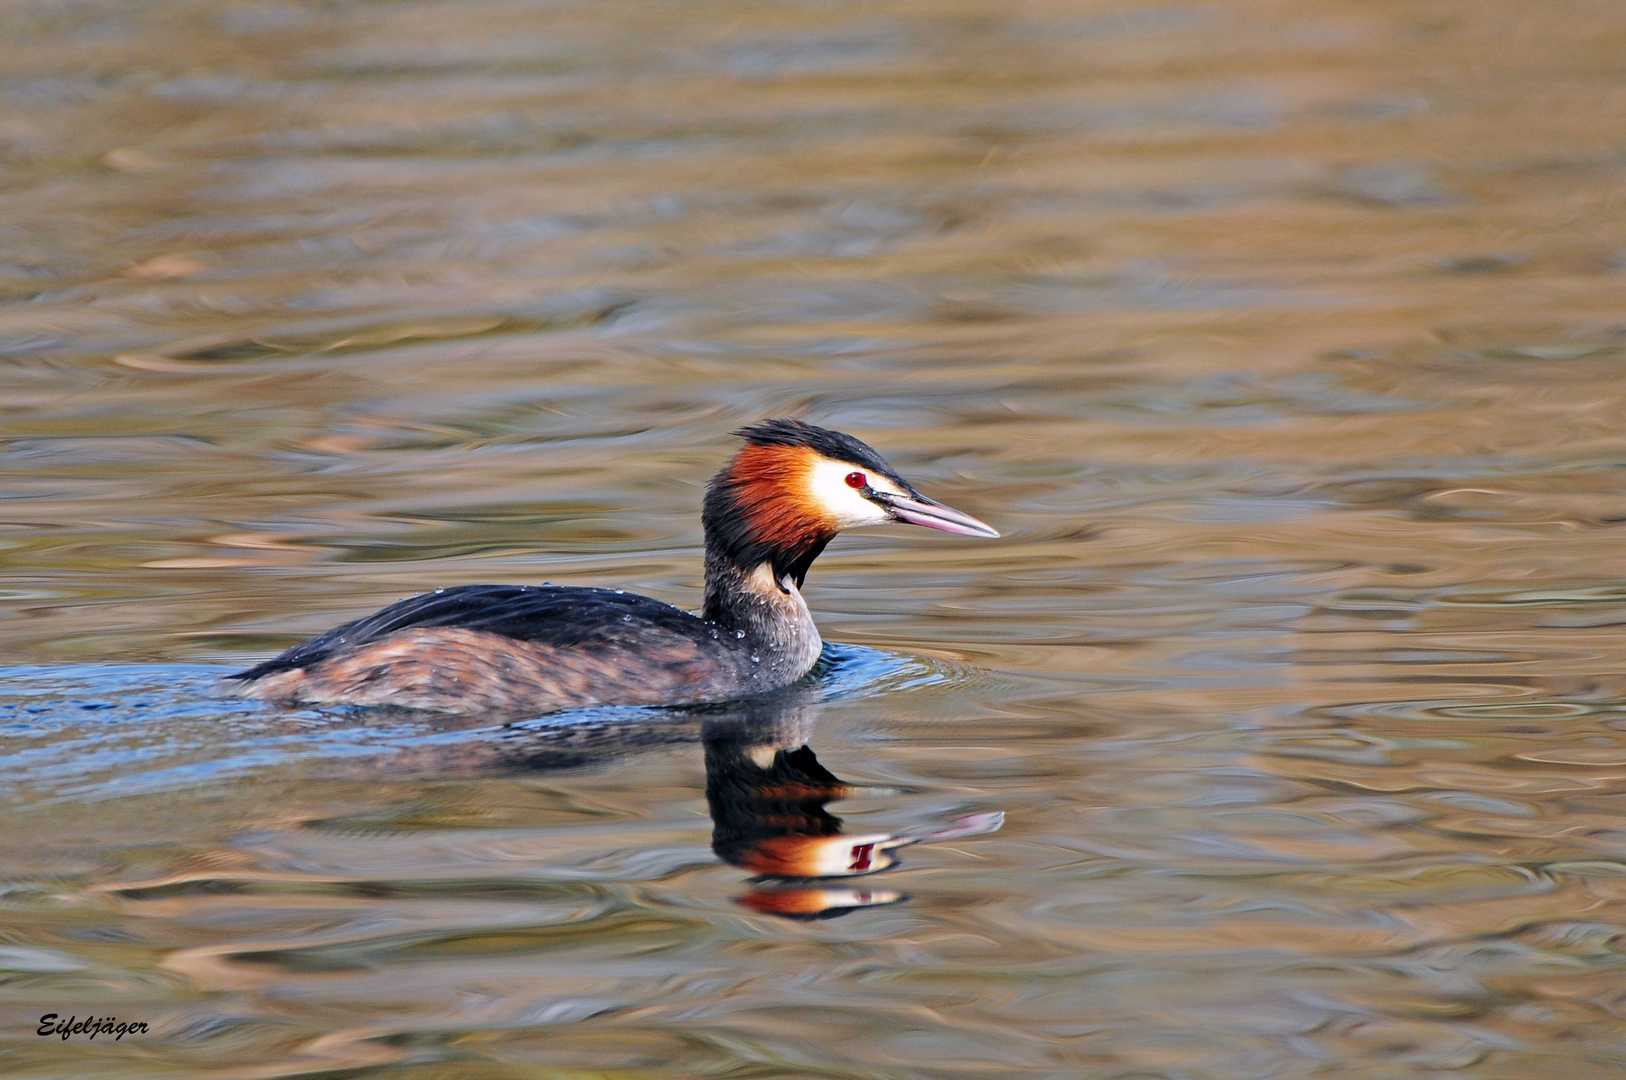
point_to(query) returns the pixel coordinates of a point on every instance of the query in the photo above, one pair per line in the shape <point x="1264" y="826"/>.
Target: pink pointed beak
<point x="934" y="515"/>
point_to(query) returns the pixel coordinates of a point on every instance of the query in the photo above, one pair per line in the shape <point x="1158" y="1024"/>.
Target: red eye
<point x="857" y="480"/>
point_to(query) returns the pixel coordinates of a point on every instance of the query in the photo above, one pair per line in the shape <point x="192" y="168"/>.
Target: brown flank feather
<point x="456" y="670"/>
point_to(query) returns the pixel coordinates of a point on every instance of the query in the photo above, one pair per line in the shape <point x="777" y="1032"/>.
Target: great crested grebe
<point x="533" y="649"/>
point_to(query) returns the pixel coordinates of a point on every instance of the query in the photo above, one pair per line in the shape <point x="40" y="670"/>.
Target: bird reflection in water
<point x="767" y="794"/>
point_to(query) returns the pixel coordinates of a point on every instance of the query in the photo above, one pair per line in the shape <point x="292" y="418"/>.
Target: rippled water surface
<point x="1284" y="342"/>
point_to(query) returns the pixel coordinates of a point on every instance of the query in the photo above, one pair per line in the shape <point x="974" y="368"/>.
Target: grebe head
<point x="792" y="487"/>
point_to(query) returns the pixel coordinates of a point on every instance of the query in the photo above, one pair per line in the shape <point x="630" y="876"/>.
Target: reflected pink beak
<point x="920" y="510"/>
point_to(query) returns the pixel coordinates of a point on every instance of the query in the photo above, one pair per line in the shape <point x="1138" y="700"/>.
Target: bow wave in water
<point x="94" y="731"/>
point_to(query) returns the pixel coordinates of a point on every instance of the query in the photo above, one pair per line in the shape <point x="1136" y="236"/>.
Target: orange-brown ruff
<point x="768" y="480"/>
<point x="515" y="650"/>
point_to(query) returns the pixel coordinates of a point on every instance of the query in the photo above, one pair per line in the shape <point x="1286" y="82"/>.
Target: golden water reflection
<point x="1282" y="342"/>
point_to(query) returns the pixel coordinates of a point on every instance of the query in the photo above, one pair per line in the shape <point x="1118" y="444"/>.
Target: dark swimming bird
<point x="532" y="649"/>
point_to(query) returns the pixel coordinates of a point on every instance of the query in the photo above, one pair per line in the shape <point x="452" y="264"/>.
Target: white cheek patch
<point x="843" y="504"/>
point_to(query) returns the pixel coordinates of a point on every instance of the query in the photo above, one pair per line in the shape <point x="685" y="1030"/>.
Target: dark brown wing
<point x="561" y="616"/>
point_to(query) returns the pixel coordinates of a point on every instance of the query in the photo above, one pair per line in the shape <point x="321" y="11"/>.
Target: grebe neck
<point x="767" y="615"/>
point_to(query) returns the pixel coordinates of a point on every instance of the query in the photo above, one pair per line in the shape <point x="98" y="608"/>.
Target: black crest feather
<point x="836" y="445"/>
